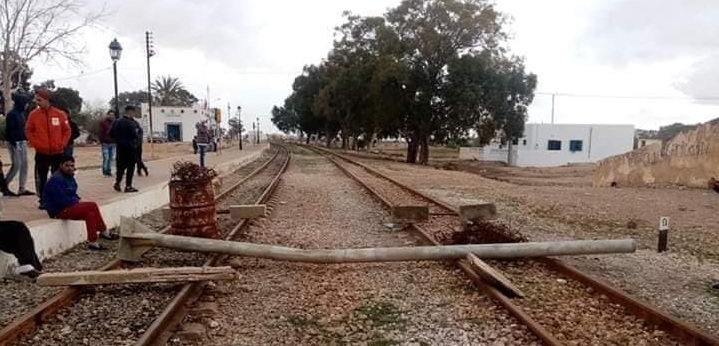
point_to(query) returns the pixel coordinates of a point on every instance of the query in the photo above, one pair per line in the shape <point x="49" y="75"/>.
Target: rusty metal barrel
<point x="192" y="203"/>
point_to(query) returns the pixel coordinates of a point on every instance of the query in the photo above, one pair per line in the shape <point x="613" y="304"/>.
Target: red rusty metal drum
<point x="192" y="209"/>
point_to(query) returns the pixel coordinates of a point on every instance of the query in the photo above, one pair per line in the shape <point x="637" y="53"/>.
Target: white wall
<point x="187" y="117"/>
<point x="598" y="142"/>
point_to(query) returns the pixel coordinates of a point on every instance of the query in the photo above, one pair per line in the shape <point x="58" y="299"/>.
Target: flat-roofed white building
<point x="546" y="145"/>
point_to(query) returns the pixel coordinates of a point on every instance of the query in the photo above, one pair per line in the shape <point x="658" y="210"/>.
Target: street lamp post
<point x="115" y="53"/>
<point x="239" y="124"/>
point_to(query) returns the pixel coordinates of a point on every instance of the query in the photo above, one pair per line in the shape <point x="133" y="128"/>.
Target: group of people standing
<point x="51" y="132"/>
<point x="125" y="135"/>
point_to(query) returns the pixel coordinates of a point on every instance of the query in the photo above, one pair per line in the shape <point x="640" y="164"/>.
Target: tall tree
<point x="19" y="79"/>
<point x="169" y="91"/>
<point x="130" y="98"/>
<point x="39" y="29"/>
<point x="434" y="33"/>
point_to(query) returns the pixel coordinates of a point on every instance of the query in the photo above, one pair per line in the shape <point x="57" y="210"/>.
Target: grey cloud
<point x="647" y="31"/>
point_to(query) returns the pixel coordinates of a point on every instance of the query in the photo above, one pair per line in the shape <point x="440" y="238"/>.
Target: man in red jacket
<point x="48" y="131"/>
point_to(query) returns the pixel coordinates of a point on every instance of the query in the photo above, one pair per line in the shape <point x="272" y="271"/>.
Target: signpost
<point x="663" y="234"/>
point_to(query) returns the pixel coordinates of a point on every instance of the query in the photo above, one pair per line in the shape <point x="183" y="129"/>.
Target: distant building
<point x="547" y="145"/>
<point x="643" y="142"/>
<point x="174" y="124"/>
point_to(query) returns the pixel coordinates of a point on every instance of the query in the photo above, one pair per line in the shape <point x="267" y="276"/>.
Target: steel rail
<point x="160" y="331"/>
<point x="27" y="322"/>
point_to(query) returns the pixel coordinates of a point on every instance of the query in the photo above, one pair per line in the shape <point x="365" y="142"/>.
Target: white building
<point x="175" y="124"/>
<point x="546" y="145"/>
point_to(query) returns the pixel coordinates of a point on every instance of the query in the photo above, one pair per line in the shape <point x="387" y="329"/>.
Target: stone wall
<point x="689" y="159"/>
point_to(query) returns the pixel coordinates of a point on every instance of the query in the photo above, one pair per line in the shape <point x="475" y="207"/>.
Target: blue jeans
<point x="108" y="152"/>
<point x="18" y="156"/>
<point x="202" y="154"/>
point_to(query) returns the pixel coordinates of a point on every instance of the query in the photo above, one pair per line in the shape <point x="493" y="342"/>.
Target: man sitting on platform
<point x="62" y="202"/>
<point x="15" y="239"/>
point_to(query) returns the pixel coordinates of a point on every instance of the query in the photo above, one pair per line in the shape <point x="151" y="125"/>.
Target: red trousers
<point x="88" y="212"/>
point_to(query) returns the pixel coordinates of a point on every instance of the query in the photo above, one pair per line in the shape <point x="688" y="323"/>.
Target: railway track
<point x="135" y="314"/>
<point x="562" y="305"/>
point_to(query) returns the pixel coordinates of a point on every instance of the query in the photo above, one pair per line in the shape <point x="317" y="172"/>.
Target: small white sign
<point x="663" y="223"/>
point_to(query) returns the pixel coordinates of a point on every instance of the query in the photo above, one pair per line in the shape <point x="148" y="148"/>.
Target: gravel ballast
<point x="280" y="303"/>
<point x="572" y="312"/>
<point x="678" y="282"/>
<point x="119" y="314"/>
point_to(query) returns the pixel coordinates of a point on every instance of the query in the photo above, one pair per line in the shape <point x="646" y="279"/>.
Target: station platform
<point x="55" y="236"/>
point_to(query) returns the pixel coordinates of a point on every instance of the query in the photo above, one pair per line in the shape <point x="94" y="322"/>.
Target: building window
<point x="554" y="145"/>
<point x="575" y="145"/>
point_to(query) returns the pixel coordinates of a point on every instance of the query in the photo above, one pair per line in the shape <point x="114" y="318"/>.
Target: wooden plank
<point x="410" y="213"/>
<point x="249" y="211"/>
<point x="140" y="275"/>
<point x="494" y="277"/>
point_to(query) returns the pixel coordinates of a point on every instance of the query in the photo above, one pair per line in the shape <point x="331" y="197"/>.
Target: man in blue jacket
<point x="62" y="202"/>
<point x="17" y="143"/>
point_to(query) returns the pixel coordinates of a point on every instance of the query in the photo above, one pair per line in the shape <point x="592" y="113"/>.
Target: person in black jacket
<point x="138" y="153"/>
<point x="75" y="133"/>
<point x="17" y="144"/>
<point x="126" y="135"/>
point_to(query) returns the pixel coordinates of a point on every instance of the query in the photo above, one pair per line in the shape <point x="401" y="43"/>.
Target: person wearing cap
<point x="126" y="134"/>
<point x="17" y="144"/>
<point x="48" y="131"/>
<point x="16" y="240"/>
<point x="62" y="202"/>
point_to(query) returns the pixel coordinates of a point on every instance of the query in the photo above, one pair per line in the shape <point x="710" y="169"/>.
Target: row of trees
<point x="428" y="71"/>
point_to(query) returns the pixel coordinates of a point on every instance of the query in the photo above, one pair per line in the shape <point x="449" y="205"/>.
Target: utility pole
<point x="149" y="49"/>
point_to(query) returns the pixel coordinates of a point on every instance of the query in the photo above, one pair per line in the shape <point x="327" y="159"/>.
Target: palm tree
<point x="169" y="91"/>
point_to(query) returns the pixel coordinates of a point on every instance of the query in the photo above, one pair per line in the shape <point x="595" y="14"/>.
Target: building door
<point x="174" y="132"/>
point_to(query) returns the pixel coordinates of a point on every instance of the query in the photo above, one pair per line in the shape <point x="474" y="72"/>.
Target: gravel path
<point x="119" y="314"/>
<point x="279" y="303"/>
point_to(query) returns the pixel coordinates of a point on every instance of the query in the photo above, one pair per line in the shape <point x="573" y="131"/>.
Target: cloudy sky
<point x="608" y="61"/>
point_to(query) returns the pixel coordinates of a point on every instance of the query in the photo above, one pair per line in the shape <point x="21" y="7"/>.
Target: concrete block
<point x="410" y="213"/>
<point x="247" y="211"/>
<point x="477" y="212"/>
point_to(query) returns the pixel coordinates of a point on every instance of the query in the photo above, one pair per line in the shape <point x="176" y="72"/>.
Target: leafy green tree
<point x="433" y="34"/>
<point x="67" y="98"/>
<point x="130" y="98"/>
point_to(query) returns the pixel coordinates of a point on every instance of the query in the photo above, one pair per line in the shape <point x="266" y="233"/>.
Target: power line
<point x="81" y="75"/>
<point x="629" y="97"/>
